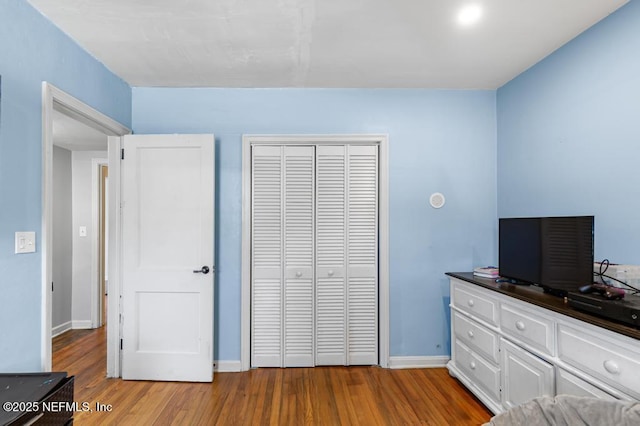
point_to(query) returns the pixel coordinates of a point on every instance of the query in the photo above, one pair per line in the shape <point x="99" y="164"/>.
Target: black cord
<point x="635" y="290"/>
<point x="601" y="274"/>
<point x="605" y="263"/>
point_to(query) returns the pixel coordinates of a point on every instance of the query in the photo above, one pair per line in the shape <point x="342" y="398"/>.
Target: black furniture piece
<point x="36" y="399"/>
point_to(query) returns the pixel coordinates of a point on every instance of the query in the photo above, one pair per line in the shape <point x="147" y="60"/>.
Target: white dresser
<point x="511" y="344"/>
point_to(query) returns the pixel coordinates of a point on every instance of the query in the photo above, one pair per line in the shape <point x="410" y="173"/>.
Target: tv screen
<point x="553" y="252"/>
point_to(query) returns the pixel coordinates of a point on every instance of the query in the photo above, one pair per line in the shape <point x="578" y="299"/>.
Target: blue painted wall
<point x="32" y="50"/>
<point x="439" y="141"/>
<point x="569" y="135"/>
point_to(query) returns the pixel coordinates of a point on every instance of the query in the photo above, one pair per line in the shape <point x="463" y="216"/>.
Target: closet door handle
<point x="298" y="274"/>
<point x="330" y="273"/>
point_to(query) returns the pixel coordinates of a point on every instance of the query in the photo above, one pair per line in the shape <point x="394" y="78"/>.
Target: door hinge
<point x="120" y="344"/>
<point x="122" y="153"/>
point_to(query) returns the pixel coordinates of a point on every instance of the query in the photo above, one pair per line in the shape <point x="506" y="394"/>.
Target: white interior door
<point x="331" y="255"/>
<point x="167" y="257"/>
<point x="362" y="255"/>
<point x="347" y="255"/>
<point x="266" y="254"/>
<point x="282" y="323"/>
<point x="299" y="203"/>
<point x="314" y="275"/>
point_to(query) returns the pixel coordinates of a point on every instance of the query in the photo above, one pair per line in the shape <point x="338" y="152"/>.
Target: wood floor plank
<point x="265" y="396"/>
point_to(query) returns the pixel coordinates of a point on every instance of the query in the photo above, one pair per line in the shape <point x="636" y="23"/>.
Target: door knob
<point x="204" y="270"/>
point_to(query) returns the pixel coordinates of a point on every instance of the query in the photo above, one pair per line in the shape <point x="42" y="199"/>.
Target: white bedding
<point x="568" y="410"/>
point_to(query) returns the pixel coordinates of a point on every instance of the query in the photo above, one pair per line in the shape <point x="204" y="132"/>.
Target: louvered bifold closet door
<point x="347" y="255"/>
<point x="299" y="207"/>
<point x="266" y="256"/>
<point x="362" y="255"/>
<point x="331" y="228"/>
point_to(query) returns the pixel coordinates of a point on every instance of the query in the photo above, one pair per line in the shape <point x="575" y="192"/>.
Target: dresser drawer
<point x="602" y="357"/>
<point x="527" y="327"/>
<point x="569" y="384"/>
<point x="481" y="372"/>
<point x="477" y="337"/>
<point x="475" y="303"/>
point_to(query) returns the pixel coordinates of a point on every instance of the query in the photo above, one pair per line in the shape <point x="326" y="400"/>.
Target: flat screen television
<point x="555" y="253"/>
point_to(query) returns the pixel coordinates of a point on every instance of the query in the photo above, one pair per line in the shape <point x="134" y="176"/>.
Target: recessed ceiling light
<point x="469" y="14"/>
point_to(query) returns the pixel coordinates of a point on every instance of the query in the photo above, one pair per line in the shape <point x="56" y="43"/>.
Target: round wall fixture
<point x="436" y="200"/>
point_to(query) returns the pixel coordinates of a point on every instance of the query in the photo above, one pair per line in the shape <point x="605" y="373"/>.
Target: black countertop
<point x="25" y="388"/>
<point x="535" y="295"/>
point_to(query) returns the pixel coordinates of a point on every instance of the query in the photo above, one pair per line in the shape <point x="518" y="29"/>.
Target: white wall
<point x="82" y="216"/>
<point x="62" y="241"/>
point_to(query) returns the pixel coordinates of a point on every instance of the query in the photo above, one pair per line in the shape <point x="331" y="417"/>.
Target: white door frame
<point x="56" y="99"/>
<point x="96" y="195"/>
<point x="383" y="255"/>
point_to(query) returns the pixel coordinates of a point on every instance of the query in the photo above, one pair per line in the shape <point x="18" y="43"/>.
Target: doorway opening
<point x="60" y="107"/>
<point x="79" y="152"/>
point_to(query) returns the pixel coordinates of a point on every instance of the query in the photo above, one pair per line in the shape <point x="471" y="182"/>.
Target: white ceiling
<point x="73" y="135"/>
<point x="321" y="43"/>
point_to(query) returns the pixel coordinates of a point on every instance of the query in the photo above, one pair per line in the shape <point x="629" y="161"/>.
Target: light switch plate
<point x="25" y="242"/>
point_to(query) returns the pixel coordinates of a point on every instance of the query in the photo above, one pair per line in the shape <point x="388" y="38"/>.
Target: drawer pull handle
<point x="611" y="367"/>
<point x="472" y="364"/>
<point x="471" y="303"/>
<point x="520" y="325"/>
<point x="470" y="333"/>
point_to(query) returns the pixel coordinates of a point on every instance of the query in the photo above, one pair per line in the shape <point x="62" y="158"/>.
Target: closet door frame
<point x="382" y="141"/>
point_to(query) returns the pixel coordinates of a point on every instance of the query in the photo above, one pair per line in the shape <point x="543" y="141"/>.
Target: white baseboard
<point x="81" y="324"/>
<point x="227" y="366"/>
<point x="397" y="362"/>
<point x="59" y="329"/>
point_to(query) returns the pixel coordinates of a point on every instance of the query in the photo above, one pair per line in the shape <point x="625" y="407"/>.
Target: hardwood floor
<point x="293" y="396"/>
